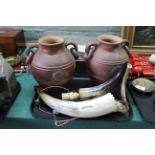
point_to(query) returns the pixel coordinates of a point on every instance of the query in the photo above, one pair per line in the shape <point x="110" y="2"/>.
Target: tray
<point x="80" y="79"/>
<point x="144" y="102"/>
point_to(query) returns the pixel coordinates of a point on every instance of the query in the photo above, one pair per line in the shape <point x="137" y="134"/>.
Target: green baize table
<point x="20" y="115"/>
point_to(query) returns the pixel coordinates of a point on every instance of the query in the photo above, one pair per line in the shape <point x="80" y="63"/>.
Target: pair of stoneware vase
<point x="53" y="64"/>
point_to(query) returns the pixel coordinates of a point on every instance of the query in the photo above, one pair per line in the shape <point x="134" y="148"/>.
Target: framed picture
<point x="141" y="38"/>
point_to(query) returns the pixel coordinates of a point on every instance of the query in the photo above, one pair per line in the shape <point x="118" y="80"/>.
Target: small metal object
<point x="143" y="85"/>
<point x="14" y="60"/>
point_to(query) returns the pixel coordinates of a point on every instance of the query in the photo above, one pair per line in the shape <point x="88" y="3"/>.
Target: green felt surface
<point x="20" y="116"/>
<point x="21" y="107"/>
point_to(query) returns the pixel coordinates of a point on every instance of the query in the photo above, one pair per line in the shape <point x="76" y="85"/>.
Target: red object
<point x="141" y="66"/>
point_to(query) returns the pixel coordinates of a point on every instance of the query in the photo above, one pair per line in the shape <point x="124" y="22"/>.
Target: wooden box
<point x="8" y="41"/>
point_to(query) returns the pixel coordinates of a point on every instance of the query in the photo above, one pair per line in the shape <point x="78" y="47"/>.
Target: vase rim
<point x="110" y="39"/>
<point x="51" y="40"/>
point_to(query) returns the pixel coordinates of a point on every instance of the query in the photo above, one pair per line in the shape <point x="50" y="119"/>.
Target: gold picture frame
<point x="131" y="33"/>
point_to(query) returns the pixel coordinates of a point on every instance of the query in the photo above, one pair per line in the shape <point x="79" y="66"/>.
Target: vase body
<point x="104" y="58"/>
<point x="52" y="64"/>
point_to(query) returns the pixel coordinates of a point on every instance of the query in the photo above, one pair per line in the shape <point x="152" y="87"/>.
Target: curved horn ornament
<point x="85" y="109"/>
<point x="85" y="93"/>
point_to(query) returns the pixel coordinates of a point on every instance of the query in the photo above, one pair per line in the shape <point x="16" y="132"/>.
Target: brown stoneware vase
<point x="53" y="64"/>
<point x="105" y="57"/>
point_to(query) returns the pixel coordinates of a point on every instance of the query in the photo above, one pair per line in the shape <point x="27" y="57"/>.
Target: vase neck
<point x="109" y="42"/>
<point x="51" y="44"/>
<point x="51" y="49"/>
<point x="108" y="47"/>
